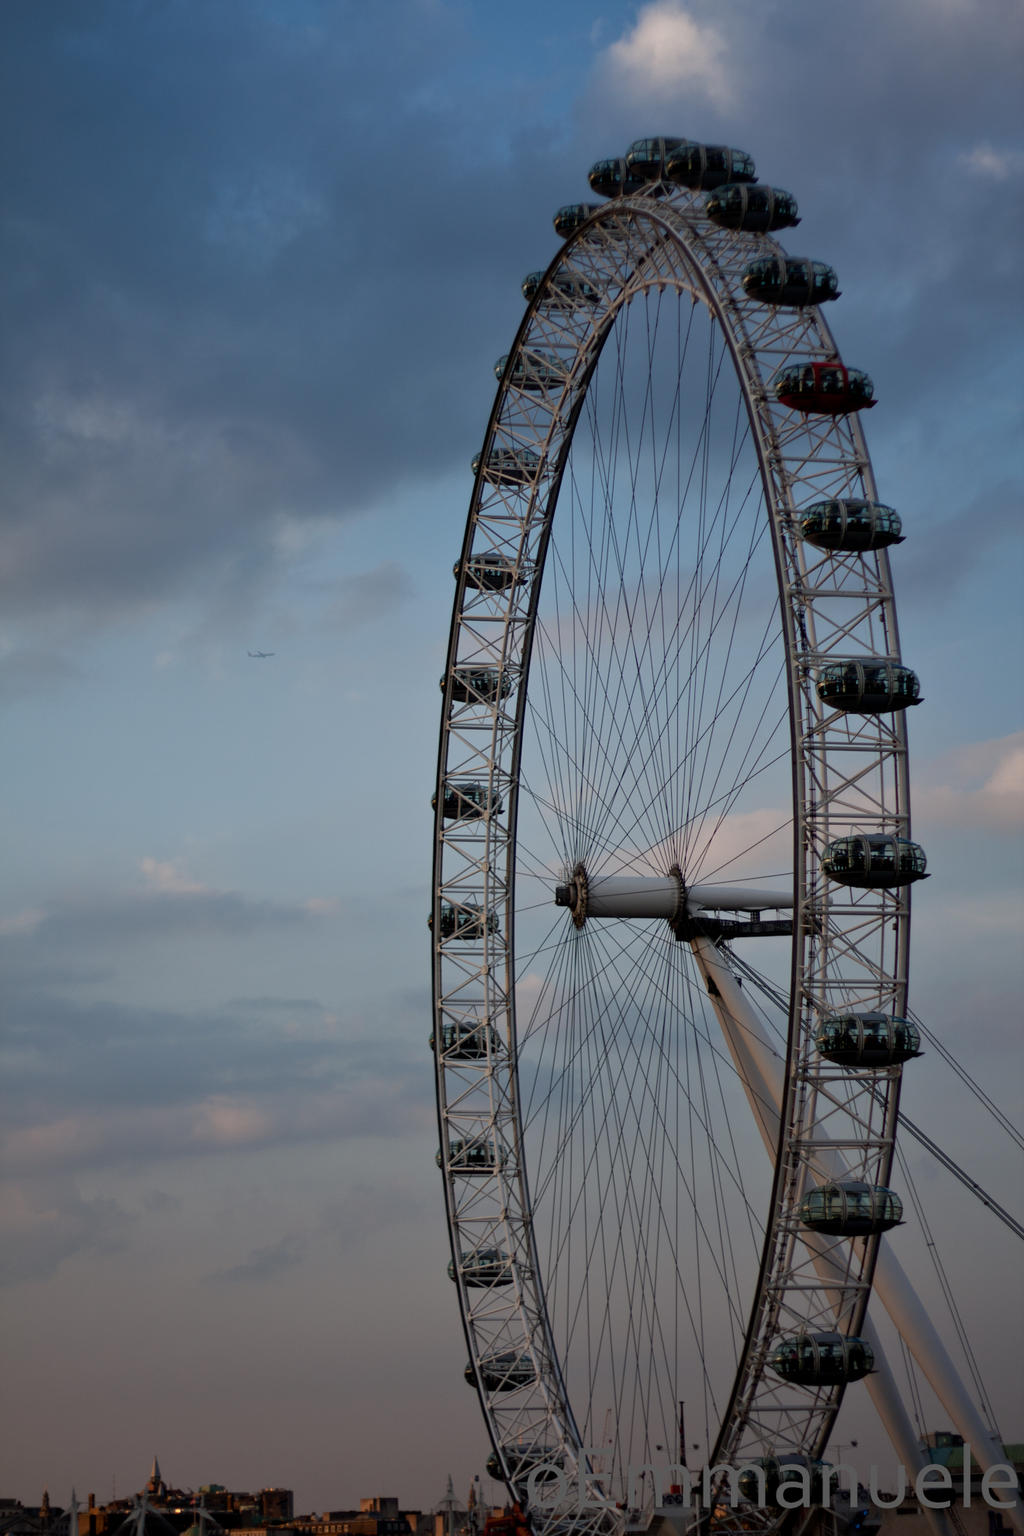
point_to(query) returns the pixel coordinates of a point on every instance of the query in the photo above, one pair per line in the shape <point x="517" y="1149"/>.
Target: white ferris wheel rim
<point x="845" y="952"/>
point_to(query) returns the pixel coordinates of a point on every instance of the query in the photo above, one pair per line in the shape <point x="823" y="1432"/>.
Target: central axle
<point x="685" y="908"/>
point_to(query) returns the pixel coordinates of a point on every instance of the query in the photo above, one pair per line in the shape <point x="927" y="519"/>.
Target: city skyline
<point x="259" y="264"/>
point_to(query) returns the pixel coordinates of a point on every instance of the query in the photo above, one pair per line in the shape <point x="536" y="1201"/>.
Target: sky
<point x="259" y="257"/>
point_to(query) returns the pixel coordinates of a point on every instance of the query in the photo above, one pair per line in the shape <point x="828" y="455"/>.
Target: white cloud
<point x="979" y="786"/>
<point x="168" y="877"/>
<point x="26" y="921"/>
<point x="668" y="51"/>
<point x="994" y="164"/>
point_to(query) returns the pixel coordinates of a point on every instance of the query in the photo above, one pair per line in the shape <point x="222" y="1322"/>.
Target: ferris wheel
<point x="672" y="860"/>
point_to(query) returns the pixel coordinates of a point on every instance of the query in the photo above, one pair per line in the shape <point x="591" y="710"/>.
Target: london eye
<point x="673" y="858"/>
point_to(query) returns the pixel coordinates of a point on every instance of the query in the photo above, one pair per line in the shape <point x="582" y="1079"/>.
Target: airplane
<point x="262" y="654"/>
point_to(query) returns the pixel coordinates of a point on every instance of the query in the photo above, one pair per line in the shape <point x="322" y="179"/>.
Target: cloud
<point x="170" y="906"/>
<point x="28" y="672"/>
<point x="291" y="1114"/>
<point x="167" y="876"/>
<point x="955" y="547"/>
<point x="45" y="1221"/>
<point x="668" y="51"/>
<point x="26" y="921"/>
<point x="267" y="1262"/>
<point x="992" y="164"/>
<point x="370" y="595"/>
<point x="193" y="359"/>
<point x="106" y="1085"/>
<point x="979" y="787"/>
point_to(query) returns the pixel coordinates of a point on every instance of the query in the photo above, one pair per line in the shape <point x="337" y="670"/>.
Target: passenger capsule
<point x="467" y="1042"/>
<point x="871" y="1041"/>
<point x="490" y="572"/>
<point x="480" y="1154"/>
<point x="478" y="685"/>
<point x="822" y="1359"/>
<point x="502" y="1372"/>
<point x="468" y="921"/>
<point x="851" y="526"/>
<point x="508" y="466"/>
<point x="825" y="389"/>
<point x="868" y="687"/>
<point x="874" y="859"/>
<point x="757" y="209"/>
<point x="703" y="167"/>
<point x="613" y="178"/>
<point x="565" y="289"/>
<point x="570" y="218"/>
<point x="521" y="1458"/>
<point x="483" y="1267"/>
<point x="646" y="157"/>
<point x="790" y="281"/>
<point x="781" y="1472"/>
<point x="464" y="802"/>
<point x="851" y="1209"/>
<point x="533" y="371"/>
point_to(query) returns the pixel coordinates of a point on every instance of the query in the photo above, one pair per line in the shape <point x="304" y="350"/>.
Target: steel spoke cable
<point x="599" y="1016"/>
<point x="599" y="442"/>
<point x="947" y="1291"/>
<point x="748" y="748"/>
<point x="975" y="1088"/>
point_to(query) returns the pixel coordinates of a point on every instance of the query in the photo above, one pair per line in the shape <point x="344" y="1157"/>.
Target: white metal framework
<point x="637" y="784"/>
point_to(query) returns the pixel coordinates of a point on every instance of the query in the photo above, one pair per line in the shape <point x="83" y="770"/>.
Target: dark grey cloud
<point x="258" y="259"/>
<point x="31" y="673"/>
<point x="879" y="145"/>
<point x="249" y="263"/>
<point x="265" y="1262"/>
<point x="375" y="594"/>
<point x="63" y="1053"/>
<point x="956" y="545"/>
<point x="274" y="1005"/>
<point x="47" y="1220"/>
<point x="120" y="918"/>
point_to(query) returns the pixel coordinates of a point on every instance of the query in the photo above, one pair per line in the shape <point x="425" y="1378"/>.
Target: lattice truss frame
<point x="849" y="774"/>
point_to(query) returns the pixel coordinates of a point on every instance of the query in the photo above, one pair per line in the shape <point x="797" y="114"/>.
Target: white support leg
<point x="761" y="1071"/>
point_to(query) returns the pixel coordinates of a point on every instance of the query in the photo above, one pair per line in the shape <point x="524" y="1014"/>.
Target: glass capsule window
<point x="876" y="859"/>
<point x="868" y="687"/>
<point x="822" y="1359"/>
<point x="828" y="387"/>
<point x="521" y="1457"/>
<point x="483" y="1267"/>
<point x="502" y="1372"/>
<point x="468" y="800"/>
<point x="754" y="208"/>
<point x="564" y="289"/>
<point x="478" y="685"/>
<point x="850" y="525"/>
<point x="705" y="166"/>
<point x="853" y="1209"/>
<point x="490" y="572"/>
<point x="508" y="466"/>
<point x="790" y="281"/>
<point x="480" y="1155"/>
<point x="467" y="1042"/>
<point x="613" y="178"/>
<point x="532" y="371"/>
<point x="778" y="1472"/>
<point x="467" y="922"/>
<point x="867" y="1040"/>
<point x="569" y="218"/>
<point x="646" y="157"/>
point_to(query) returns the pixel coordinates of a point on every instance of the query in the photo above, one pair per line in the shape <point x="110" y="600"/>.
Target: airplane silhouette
<point x="262" y="654"/>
